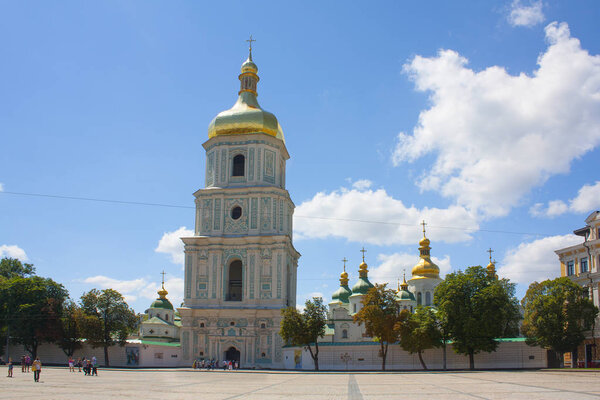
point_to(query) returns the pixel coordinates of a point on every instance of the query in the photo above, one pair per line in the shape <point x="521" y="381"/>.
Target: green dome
<point x="405" y="295"/>
<point x="162" y="303"/>
<point x="342" y="294"/>
<point x="362" y="286"/>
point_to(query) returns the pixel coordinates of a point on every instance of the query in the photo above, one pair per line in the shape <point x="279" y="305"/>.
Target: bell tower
<point x="240" y="265"/>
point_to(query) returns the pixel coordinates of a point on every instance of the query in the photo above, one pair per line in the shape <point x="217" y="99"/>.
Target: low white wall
<point x="365" y="357"/>
<point x="149" y="355"/>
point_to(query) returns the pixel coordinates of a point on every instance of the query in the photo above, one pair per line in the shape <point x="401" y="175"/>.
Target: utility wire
<point x="138" y="203"/>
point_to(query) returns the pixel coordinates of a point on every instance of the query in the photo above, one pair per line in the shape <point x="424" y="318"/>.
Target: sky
<point x="481" y="118"/>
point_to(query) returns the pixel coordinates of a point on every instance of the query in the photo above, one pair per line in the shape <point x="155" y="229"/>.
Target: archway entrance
<point x="232" y="354"/>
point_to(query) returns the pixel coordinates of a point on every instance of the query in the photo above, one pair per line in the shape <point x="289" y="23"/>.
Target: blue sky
<point x="481" y="117"/>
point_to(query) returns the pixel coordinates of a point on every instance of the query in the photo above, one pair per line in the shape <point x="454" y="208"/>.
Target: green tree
<point x="380" y="314"/>
<point x="557" y="314"/>
<point x="70" y="334"/>
<point x="32" y="307"/>
<point x="305" y="329"/>
<point x="12" y="267"/>
<point x="107" y="319"/>
<point x="477" y="309"/>
<point x="419" y="331"/>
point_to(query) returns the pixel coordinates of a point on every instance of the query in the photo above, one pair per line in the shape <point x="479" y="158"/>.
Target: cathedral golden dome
<point x="425" y="268"/>
<point x="246" y="115"/>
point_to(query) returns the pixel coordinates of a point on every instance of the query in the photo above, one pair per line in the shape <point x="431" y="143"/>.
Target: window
<point x="158" y="356"/>
<point x="236" y="212"/>
<point x="354" y="308"/>
<point x="584" y="265"/>
<point x="238" y="165"/>
<point x="263" y="355"/>
<point x="231" y="323"/>
<point x="570" y="268"/>
<point x="166" y="317"/>
<point x="234" y="286"/>
<point x="263" y="326"/>
<point x="345" y="334"/>
<point x="201" y="324"/>
<point x="419" y="298"/>
<point x="427" y="298"/>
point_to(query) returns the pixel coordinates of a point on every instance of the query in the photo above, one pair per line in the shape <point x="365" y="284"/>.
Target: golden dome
<point x="425" y="268"/>
<point x="344" y="275"/>
<point x="246" y="115"/>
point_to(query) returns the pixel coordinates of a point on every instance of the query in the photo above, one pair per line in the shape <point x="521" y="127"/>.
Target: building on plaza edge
<point x="240" y="265"/>
<point x="161" y="322"/>
<point x="580" y="263"/>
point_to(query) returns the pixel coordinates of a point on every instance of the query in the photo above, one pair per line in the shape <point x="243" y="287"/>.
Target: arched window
<point x="345" y="334"/>
<point x="166" y="317"/>
<point x="238" y="165"/>
<point x="427" y="298"/>
<point x="201" y="324"/>
<point x="419" y="299"/>
<point x="234" y="283"/>
<point x="354" y="308"/>
<point x="263" y="326"/>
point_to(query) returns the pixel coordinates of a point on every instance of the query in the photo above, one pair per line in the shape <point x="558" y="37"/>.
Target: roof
<point x="156" y="320"/>
<point x="162" y="303"/>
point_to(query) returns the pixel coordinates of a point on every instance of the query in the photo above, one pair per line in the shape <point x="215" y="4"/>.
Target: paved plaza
<point x="59" y="383"/>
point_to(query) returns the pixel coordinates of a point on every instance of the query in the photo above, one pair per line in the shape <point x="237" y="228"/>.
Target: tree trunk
<point x="421" y="359"/>
<point x="444" y="352"/>
<point x="574" y="358"/>
<point x="471" y="360"/>
<point x="315" y="355"/>
<point x="384" y="349"/>
<point x="106" y="363"/>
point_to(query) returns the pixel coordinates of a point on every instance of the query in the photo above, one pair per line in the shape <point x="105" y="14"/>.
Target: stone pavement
<point x="59" y="383"/>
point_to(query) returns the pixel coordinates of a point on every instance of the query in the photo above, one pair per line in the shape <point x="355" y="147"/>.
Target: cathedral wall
<point x="365" y="356"/>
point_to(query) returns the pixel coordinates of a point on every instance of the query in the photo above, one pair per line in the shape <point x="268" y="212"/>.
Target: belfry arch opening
<point x="238" y="165"/>
<point x="234" y="281"/>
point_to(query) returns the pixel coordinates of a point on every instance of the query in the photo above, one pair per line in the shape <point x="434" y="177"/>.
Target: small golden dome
<point x="249" y="66"/>
<point x="425" y="268"/>
<point x="344" y="275"/>
<point x="424" y="242"/>
<point x="162" y="293"/>
<point x="246" y="115"/>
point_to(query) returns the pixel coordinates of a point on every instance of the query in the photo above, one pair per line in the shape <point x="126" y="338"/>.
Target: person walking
<point x="79" y="363"/>
<point x="27" y="362"/>
<point x="22" y="363"/>
<point x="71" y="365"/>
<point x="37" y="369"/>
<point x="10" y="368"/>
<point x="94" y="366"/>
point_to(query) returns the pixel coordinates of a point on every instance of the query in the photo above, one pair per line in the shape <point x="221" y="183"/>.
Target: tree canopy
<point x="419" y="331"/>
<point x="13" y="267"/>
<point x="107" y="319"/>
<point x="380" y="314"/>
<point x="31" y="308"/>
<point x="477" y="308"/>
<point x="557" y="314"/>
<point x="305" y="328"/>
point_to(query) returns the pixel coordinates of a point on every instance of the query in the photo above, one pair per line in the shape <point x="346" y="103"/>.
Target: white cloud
<point x="1" y="187"/>
<point x="362" y="184"/>
<point x="141" y="288"/>
<point x="522" y="15"/>
<point x="587" y="200"/>
<point x="496" y="135"/>
<point x="392" y="267"/>
<point x="13" y="251"/>
<point x="340" y="206"/>
<point x="171" y="244"/>
<point x="535" y="261"/>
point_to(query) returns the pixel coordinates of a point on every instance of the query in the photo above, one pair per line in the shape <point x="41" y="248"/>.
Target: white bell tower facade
<point x="240" y="265"/>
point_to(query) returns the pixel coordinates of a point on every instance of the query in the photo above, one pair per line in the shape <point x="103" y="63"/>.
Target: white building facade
<point x="240" y="265"/>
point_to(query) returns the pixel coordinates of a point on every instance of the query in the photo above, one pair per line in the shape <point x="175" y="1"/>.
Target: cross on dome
<point x="163" y="278"/>
<point x="250" y="46"/>
<point x="344" y="261"/>
<point x="423" y="223"/>
<point x="490" y="251"/>
<point x="363" y="251"/>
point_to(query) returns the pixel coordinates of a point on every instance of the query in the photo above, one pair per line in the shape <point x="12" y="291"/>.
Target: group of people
<point x="214" y="364"/>
<point x="26" y="365"/>
<point x="90" y="367"/>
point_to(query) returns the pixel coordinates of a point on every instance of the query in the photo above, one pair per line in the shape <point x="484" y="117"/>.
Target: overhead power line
<point x="139" y="203"/>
